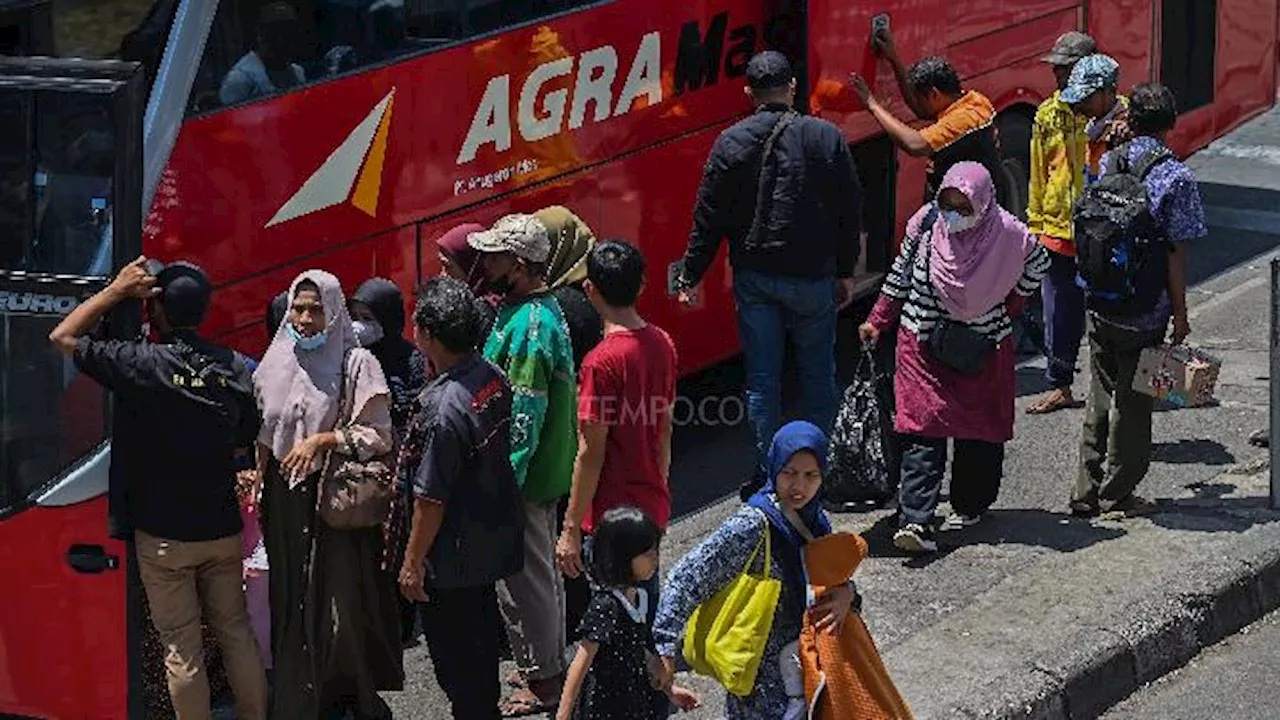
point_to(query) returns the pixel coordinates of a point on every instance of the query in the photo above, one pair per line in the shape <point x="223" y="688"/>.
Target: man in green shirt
<point x="530" y="342"/>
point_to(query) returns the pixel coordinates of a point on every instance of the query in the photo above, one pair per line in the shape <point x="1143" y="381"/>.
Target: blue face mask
<point x="305" y="343"/>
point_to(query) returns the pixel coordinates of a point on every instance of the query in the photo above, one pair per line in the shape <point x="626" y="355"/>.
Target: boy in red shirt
<point x="626" y="389"/>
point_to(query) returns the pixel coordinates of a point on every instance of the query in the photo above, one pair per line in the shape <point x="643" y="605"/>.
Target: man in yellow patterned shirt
<point x="1059" y="156"/>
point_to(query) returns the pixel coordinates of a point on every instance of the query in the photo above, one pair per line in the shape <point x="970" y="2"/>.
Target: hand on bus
<point x="135" y="282"/>
<point x="869" y="334"/>
<point x="689" y="296"/>
<point x="882" y="43"/>
<point x="844" y="293"/>
<point x="860" y="88"/>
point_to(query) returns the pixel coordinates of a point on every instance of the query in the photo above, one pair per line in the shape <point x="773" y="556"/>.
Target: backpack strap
<point x="762" y="184"/>
<point x="1150" y="160"/>
<point x="926" y="226"/>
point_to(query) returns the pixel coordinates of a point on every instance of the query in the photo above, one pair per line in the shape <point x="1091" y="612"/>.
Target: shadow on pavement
<point x="1197" y="452"/>
<point x="1037" y="528"/>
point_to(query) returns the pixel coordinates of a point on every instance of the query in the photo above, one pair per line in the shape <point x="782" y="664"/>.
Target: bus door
<point x="70" y="215"/>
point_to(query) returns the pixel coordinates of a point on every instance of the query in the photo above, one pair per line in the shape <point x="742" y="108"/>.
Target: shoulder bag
<point x="725" y="636"/>
<point x="956" y="344"/>
<point x="354" y="493"/>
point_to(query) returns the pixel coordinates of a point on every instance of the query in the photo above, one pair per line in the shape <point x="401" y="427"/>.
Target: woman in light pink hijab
<point x="966" y="266"/>
<point x="334" y="610"/>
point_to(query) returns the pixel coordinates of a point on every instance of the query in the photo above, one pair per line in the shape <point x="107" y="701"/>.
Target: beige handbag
<point x="354" y="494"/>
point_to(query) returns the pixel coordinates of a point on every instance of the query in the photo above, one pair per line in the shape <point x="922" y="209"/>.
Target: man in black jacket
<point x="185" y="410"/>
<point x="783" y="188"/>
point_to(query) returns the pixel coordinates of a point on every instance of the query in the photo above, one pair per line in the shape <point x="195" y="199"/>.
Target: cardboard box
<point x="1181" y="376"/>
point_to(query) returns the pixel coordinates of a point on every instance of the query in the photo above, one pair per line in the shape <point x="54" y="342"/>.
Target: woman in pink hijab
<point x="964" y="271"/>
<point x="334" y="610"/>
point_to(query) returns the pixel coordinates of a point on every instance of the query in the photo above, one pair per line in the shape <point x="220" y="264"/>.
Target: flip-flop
<point x="1046" y="406"/>
<point x="516" y="680"/>
<point x="524" y="703"/>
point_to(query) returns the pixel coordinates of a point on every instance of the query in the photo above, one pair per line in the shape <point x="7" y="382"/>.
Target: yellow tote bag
<point x="725" y="636"/>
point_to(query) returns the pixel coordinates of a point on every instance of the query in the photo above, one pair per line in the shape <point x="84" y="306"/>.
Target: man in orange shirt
<point x="963" y="122"/>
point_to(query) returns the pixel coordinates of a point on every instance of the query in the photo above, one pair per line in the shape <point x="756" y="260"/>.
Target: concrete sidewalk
<point x="1037" y="614"/>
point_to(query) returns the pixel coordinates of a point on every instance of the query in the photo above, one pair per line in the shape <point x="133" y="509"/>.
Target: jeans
<point x="1063" y="320"/>
<point x="462" y="636"/>
<point x="532" y="601"/>
<point x="187" y="582"/>
<point x="773" y="309"/>
<point x="1115" y="450"/>
<point x="976" y="471"/>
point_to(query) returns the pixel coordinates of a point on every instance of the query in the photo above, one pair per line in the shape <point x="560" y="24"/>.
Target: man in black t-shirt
<point x="466" y="532"/>
<point x="185" y="407"/>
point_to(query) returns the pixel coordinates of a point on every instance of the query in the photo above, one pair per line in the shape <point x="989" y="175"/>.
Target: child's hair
<point x="621" y="534"/>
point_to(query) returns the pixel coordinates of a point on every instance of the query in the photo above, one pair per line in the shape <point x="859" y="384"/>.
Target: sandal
<point x="1056" y="400"/>
<point x="523" y="703"/>
<point x="516" y="679"/>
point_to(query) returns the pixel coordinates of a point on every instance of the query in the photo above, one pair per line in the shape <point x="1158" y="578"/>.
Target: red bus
<point x="381" y="123"/>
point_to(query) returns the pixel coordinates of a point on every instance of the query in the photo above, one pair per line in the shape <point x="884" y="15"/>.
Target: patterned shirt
<point x="1175" y="202"/>
<point x="530" y="343"/>
<point x="708" y="569"/>
<point x="922" y="309"/>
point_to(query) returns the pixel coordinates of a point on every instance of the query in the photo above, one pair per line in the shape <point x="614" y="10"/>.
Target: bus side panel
<point x="76" y="667"/>
<point x="1123" y="30"/>
<point x="1246" y="81"/>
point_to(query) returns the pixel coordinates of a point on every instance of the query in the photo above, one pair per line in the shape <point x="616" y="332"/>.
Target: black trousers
<point x="976" y="470"/>
<point x="462" y="627"/>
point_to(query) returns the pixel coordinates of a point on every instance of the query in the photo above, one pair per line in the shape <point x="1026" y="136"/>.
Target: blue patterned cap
<point x="1091" y="74"/>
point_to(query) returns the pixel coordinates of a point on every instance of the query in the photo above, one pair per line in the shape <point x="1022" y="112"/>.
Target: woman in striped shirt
<point x="966" y="267"/>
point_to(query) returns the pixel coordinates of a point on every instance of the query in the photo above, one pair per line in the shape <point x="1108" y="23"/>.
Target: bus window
<point x="55" y="200"/>
<point x="1188" y="47"/>
<point x="260" y="48"/>
<point x="134" y="30"/>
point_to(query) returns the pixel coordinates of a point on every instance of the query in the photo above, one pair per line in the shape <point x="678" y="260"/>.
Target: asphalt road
<point x="1240" y="180"/>
<point x="1235" y="679"/>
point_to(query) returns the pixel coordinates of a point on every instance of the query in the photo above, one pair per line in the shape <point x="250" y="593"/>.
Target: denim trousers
<point x="779" y="313"/>
<point x="1063" y="320"/>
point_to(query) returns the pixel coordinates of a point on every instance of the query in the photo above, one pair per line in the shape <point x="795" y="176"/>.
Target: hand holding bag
<point x="725" y="636"/>
<point x="354" y="493"/>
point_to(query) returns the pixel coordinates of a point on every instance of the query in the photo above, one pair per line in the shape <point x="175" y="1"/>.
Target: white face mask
<point x="958" y="223"/>
<point x="367" y="332"/>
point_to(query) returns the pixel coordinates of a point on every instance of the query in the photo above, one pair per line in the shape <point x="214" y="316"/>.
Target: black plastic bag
<point x="862" y="455"/>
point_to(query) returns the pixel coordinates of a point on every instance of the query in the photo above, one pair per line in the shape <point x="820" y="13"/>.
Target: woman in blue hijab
<point x="789" y="507"/>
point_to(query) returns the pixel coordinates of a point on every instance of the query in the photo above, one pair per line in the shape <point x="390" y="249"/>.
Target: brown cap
<point x="1071" y="47"/>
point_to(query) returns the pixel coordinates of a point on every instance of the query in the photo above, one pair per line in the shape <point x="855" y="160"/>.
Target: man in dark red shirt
<point x="626" y="390"/>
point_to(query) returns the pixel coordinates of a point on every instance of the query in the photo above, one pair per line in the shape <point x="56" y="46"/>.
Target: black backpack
<point x="1117" y="237"/>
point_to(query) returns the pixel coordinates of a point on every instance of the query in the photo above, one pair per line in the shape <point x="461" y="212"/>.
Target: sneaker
<point x="1134" y="506"/>
<point x="1261" y="438"/>
<point x="956" y="521"/>
<point x="915" y="539"/>
<point x="1084" y="510"/>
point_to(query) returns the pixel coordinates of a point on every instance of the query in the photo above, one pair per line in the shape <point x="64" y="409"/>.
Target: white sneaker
<point x="956" y="521"/>
<point x="915" y="539"/>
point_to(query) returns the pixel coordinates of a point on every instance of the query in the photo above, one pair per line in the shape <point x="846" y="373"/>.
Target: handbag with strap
<point x="954" y="344"/>
<point x="726" y="635"/>
<point x="354" y="493"/>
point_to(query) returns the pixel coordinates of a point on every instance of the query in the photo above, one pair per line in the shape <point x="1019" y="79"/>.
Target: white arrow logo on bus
<point x="352" y="173"/>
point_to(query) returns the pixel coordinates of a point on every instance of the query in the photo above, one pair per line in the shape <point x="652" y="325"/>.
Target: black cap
<point x="184" y="292"/>
<point x="770" y="69"/>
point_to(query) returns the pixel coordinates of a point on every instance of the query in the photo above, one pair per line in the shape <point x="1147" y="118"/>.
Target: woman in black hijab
<point x="377" y="313"/>
<point x="377" y="310"/>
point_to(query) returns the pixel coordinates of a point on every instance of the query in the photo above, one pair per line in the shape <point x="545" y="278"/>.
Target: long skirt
<point x="335" y="619"/>
<point x="935" y="401"/>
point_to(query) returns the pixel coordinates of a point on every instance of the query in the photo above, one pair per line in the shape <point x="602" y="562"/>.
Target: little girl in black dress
<point x="616" y="668"/>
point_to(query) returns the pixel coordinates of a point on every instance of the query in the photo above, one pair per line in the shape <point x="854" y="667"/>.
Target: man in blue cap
<point x="782" y="187"/>
<point x="1092" y="91"/>
<point x="185" y="410"/>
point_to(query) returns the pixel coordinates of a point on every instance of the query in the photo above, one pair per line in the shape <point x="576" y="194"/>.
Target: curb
<point x="1153" y="645"/>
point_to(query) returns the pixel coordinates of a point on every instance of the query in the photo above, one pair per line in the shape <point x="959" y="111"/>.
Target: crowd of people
<point x="502" y="478"/>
